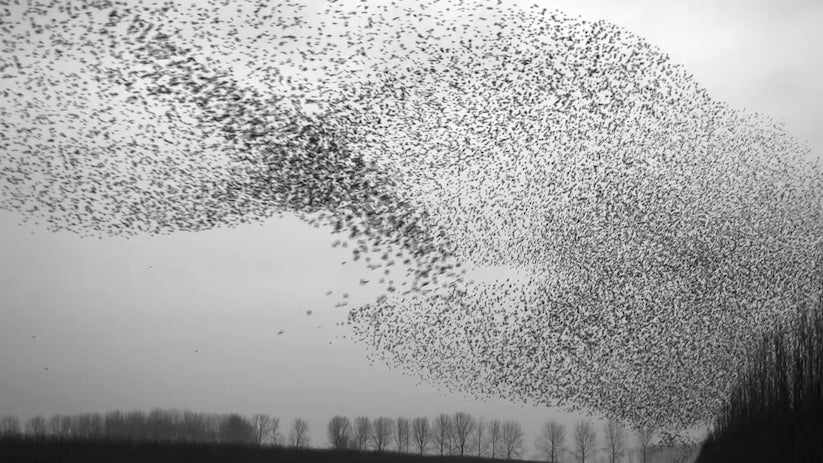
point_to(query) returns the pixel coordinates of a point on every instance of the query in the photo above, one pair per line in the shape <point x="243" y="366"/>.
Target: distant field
<point x="48" y="451"/>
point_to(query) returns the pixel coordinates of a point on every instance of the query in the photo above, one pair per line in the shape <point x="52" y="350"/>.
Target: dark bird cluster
<point x="653" y="230"/>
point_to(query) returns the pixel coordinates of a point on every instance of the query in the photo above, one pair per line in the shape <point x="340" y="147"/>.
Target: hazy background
<point x="117" y="321"/>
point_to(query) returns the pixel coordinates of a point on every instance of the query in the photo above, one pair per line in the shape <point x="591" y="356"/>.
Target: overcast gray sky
<point x="117" y="320"/>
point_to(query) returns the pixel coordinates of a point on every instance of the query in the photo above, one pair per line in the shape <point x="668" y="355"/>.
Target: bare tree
<point x="134" y="423"/>
<point x="362" y="432"/>
<point x="644" y="439"/>
<point x="512" y="438"/>
<point x="36" y="427"/>
<point x="550" y="441"/>
<point x="9" y="426"/>
<point x="191" y="427"/>
<point x="77" y="430"/>
<point x="233" y="429"/>
<point x="402" y="434"/>
<point x="159" y="426"/>
<point x="615" y="444"/>
<point x="420" y="429"/>
<point x="261" y="423"/>
<point x="382" y="429"/>
<point x="441" y="433"/>
<point x="66" y="426"/>
<point x="194" y="427"/>
<point x="462" y="425"/>
<point x="274" y="432"/>
<point x="114" y="424"/>
<point x="478" y="436"/>
<point x="451" y="440"/>
<point x="495" y="431"/>
<point x="339" y="431"/>
<point x="54" y="425"/>
<point x="299" y="433"/>
<point x="585" y="440"/>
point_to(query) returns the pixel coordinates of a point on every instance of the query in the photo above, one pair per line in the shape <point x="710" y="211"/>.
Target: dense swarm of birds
<point x="649" y="232"/>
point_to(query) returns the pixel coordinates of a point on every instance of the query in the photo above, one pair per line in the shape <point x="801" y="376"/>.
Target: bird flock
<point x="646" y="232"/>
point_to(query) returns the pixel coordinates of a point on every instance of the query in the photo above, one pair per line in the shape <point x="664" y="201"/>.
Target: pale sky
<point x="117" y="320"/>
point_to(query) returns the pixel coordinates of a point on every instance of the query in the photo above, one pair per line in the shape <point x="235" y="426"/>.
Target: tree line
<point x="554" y="443"/>
<point x="458" y="434"/>
<point x="157" y="425"/>
<point x="464" y="435"/>
<point x="445" y="434"/>
<point x="775" y="410"/>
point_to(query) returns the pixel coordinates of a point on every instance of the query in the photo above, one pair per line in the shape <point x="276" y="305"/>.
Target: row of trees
<point x="457" y="434"/>
<point x="463" y="434"/>
<point x="775" y="411"/>
<point x="160" y="425"/>
<point x="551" y="442"/>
